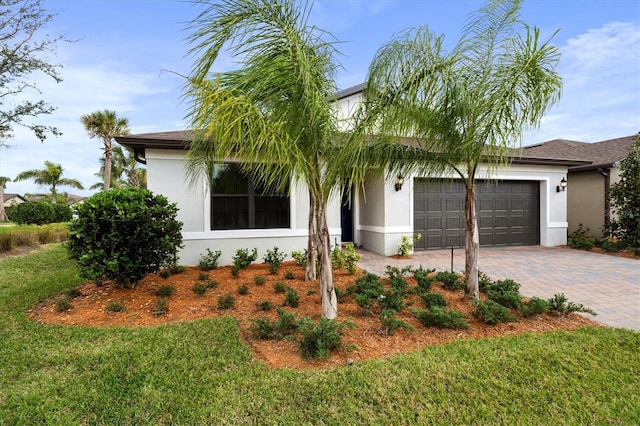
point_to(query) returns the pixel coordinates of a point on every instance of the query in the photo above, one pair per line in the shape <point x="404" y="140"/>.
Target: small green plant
<point x="235" y="271"/>
<point x="392" y="300"/>
<point x="259" y="280"/>
<point x="211" y="283"/>
<point x="274" y="258"/>
<point x="63" y="305"/>
<point x="177" y="269"/>
<point x="421" y="276"/>
<point x="506" y="293"/>
<point x="390" y="323"/>
<point x="160" y="307"/>
<point x="559" y="304"/>
<point x="200" y="288"/>
<point x="610" y="245"/>
<point x="243" y="290"/>
<point x="292" y="298"/>
<point x="394" y="272"/>
<point x="288" y="275"/>
<point x="164" y="273"/>
<point x="165" y="291"/>
<point x="365" y="302"/>
<point x="484" y="281"/>
<point x="242" y="259"/>
<point x="449" y="280"/>
<point x="115" y="307"/>
<point x="203" y="276"/>
<point x="262" y="328"/>
<point x="311" y="292"/>
<point x="406" y="244"/>
<point x="226" y="302"/>
<point x="286" y="323"/>
<point x="351" y="257"/>
<point x="318" y="340"/>
<point x="367" y="290"/>
<point x="209" y="260"/>
<point x="73" y="292"/>
<point x="279" y="287"/>
<point x="433" y="299"/>
<point x="441" y="318"/>
<point x="300" y="257"/>
<point x="338" y="257"/>
<point x="534" y="306"/>
<point x="264" y="306"/>
<point x="577" y="239"/>
<point x="491" y="312"/>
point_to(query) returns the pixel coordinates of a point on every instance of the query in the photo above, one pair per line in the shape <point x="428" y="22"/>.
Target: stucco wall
<point x="585" y="194"/>
<point x="165" y="175"/>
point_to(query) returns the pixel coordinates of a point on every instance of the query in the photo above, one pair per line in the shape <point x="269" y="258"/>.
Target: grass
<point x="31" y="235"/>
<point x="202" y="373"/>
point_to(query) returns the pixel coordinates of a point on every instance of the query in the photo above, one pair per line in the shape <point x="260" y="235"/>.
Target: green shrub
<point x="610" y="245"/>
<point x="365" y="302"/>
<point x="292" y="298"/>
<point x="338" y="257"/>
<point x="399" y="284"/>
<point x="441" y="318"/>
<point x="300" y="257"/>
<point x="203" y="276"/>
<point x="161" y="307"/>
<point x="243" y="290"/>
<point x="484" y="282"/>
<point x="433" y="299"/>
<point x="61" y="213"/>
<point x="123" y="234"/>
<point x="577" y="239"/>
<point x="279" y="287"/>
<point x="235" y="271"/>
<point x="318" y="340"/>
<point x="351" y="257"/>
<point x="243" y="259"/>
<point x="288" y="275"/>
<point x="367" y="290"/>
<point x="262" y="328"/>
<point x="506" y="293"/>
<point x="390" y="323"/>
<point x="116" y="307"/>
<point x="165" y="291"/>
<point x="33" y="212"/>
<point x="200" y="288"/>
<point x="422" y="278"/>
<point x="226" y="302"/>
<point x="561" y="305"/>
<point x="392" y="300"/>
<point x="286" y="323"/>
<point x="625" y="199"/>
<point x="264" y="306"/>
<point x="259" y="280"/>
<point x="274" y="258"/>
<point x="211" y="283"/>
<point x="491" y="312"/>
<point x="450" y="280"/>
<point x="164" y="273"/>
<point x="73" y="292"/>
<point x="209" y="260"/>
<point x="64" y="304"/>
<point x="177" y="269"/>
<point x="534" y="306"/>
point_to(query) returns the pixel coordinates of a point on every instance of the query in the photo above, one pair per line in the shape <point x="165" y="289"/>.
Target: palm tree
<point x="51" y="175"/>
<point x="464" y="108"/>
<point x="272" y="114"/>
<point x="105" y="125"/>
<point x="124" y="170"/>
<point x="3" y="185"/>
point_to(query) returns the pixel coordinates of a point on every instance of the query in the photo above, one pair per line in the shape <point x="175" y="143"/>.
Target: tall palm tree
<point x="105" y="125"/>
<point x="124" y="170"/>
<point x="51" y="176"/>
<point x="272" y="114"/>
<point x="462" y="108"/>
<point x="3" y="186"/>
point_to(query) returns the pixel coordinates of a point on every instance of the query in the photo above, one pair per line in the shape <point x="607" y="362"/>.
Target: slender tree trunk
<point x="107" y="164"/>
<point x="311" y="246"/>
<point x="472" y="243"/>
<point x="3" y="214"/>
<point x="323" y="244"/>
<point x="54" y="195"/>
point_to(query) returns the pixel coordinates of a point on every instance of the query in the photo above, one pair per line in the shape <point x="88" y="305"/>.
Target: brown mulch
<point x="366" y="339"/>
<point x="628" y="254"/>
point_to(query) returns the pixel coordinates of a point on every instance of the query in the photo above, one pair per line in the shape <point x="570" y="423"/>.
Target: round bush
<point x="123" y="234"/>
<point x="61" y="213"/>
<point x="32" y="212"/>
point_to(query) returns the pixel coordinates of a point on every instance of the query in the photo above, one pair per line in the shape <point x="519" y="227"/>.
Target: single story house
<point x="588" y="198"/>
<point x="516" y="206"/>
<point x="11" y="200"/>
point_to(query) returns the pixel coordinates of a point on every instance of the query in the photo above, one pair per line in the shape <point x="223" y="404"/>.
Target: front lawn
<point x="201" y="372"/>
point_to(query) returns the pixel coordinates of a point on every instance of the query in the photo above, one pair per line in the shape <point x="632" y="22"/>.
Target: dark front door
<point x="346" y="218"/>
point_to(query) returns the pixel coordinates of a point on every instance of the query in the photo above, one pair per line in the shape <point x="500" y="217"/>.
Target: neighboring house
<point x="11" y="200"/>
<point x="516" y="206"/>
<point x="71" y="199"/>
<point x="588" y="184"/>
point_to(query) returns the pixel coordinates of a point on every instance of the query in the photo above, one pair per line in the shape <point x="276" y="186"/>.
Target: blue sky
<point x="128" y="56"/>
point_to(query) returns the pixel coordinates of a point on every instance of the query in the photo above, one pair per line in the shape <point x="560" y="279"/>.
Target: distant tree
<point x="50" y="176"/>
<point x="124" y="170"/>
<point x="3" y="186"/>
<point x="24" y="49"/>
<point x="625" y="198"/>
<point x="105" y="125"/>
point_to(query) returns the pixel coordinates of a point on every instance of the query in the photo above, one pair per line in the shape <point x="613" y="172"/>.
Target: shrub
<point x="165" y="291"/>
<point x="226" y="302"/>
<point x="406" y="245"/>
<point x="300" y="257"/>
<point x="32" y="212"/>
<point x="392" y="300"/>
<point x="161" y="307"/>
<point x="235" y="271"/>
<point x="394" y="272"/>
<point x="484" y="282"/>
<point x="577" y="239"/>
<point x="625" y="199"/>
<point x="164" y="273"/>
<point x="262" y="328"/>
<point x="367" y="290"/>
<point x="123" y="234"/>
<point x="243" y="259"/>
<point x="390" y="323"/>
<point x="338" y="257"/>
<point x="534" y="306"/>
<point x="64" y="304"/>
<point x="318" y="340"/>
<point x="491" y="312"/>
<point x="441" y="318"/>
<point x="203" y="276"/>
<point x="200" y="288"/>
<point x="209" y="260"/>
<point x="365" y="302"/>
<point x="610" y="245"/>
<point x="433" y="299"/>
<point x="243" y="290"/>
<point x="449" y="280"/>
<point x="288" y="275"/>
<point x="399" y="284"/>
<point x="292" y="298"/>
<point x="211" y="283"/>
<point x="506" y="293"/>
<point x="274" y="258"/>
<point x="115" y="307"/>
<point x="177" y="269"/>
<point x="422" y="278"/>
<point x="351" y="257"/>
<point x="286" y="323"/>
<point x="61" y="213"/>
<point x="73" y="292"/>
<point x="561" y="305"/>
<point x="279" y="287"/>
<point x="259" y="280"/>
<point x="264" y="306"/>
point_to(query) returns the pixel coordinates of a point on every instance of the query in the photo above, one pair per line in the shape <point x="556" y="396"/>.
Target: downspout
<point x="607" y="202"/>
<point x="136" y="155"/>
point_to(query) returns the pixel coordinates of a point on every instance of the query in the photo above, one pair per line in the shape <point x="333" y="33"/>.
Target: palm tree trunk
<point x="311" y="247"/>
<point x="107" y="164"/>
<point x="323" y="244"/>
<point x="3" y="214"/>
<point x="472" y="243"/>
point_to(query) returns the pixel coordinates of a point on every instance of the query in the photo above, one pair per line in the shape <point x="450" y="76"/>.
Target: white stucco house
<point x="519" y="205"/>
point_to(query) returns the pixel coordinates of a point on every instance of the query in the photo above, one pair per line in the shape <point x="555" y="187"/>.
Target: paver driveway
<point x="607" y="284"/>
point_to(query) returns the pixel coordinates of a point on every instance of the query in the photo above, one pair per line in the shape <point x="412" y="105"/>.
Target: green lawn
<point x="202" y="373"/>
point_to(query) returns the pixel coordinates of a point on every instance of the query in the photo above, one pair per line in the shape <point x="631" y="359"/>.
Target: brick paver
<point x="607" y="284"/>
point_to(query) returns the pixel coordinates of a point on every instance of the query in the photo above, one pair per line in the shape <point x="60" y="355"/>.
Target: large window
<point x="237" y="202"/>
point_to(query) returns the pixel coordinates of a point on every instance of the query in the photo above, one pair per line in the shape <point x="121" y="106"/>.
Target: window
<point x="237" y="202"/>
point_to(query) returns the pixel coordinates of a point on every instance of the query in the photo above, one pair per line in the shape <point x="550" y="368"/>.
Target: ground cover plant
<point x="202" y="371"/>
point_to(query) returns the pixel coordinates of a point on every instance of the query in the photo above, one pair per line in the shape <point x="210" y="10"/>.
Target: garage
<point x="508" y="213"/>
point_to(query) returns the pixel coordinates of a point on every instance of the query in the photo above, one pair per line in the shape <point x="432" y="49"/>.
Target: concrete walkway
<point x="607" y="284"/>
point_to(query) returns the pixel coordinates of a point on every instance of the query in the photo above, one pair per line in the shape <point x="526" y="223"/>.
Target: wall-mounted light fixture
<point x="563" y="185"/>
<point x="399" y="183"/>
